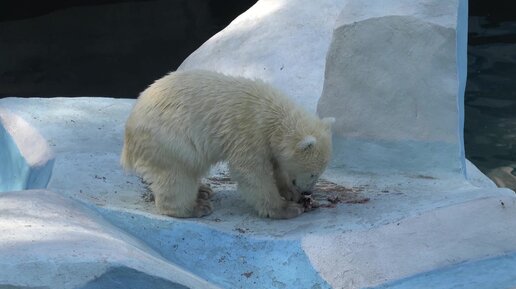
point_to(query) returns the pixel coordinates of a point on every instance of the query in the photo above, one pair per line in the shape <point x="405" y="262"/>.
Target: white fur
<point x="307" y="143"/>
<point x="187" y="121"/>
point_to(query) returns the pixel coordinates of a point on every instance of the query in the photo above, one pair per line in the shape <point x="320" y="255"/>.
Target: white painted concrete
<point x="283" y="42"/>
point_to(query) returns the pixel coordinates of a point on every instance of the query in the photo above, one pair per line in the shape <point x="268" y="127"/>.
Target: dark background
<point x="103" y="47"/>
<point x="116" y="48"/>
<point x="490" y="99"/>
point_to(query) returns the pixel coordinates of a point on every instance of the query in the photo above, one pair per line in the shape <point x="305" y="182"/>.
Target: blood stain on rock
<point x="330" y="194"/>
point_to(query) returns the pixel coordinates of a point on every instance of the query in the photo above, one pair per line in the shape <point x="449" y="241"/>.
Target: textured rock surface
<point x="394" y="80"/>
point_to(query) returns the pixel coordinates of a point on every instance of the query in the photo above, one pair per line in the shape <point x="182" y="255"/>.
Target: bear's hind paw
<point x="202" y="208"/>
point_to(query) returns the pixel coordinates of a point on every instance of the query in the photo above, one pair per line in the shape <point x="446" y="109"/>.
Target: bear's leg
<point x="283" y="184"/>
<point x="258" y="188"/>
<point x="177" y="194"/>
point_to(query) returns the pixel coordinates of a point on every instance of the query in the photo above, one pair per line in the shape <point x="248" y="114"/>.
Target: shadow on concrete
<point x="128" y="278"/>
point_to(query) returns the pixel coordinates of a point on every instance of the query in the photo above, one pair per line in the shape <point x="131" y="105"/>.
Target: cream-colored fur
<point x="187" y="121"/>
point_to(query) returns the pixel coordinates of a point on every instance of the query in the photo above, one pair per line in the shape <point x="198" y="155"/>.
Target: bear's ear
<point x="307" y="143"/>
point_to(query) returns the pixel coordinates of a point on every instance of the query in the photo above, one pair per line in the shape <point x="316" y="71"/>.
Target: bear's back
<point x="212" y="99"/>
<point x="210" y="109"/>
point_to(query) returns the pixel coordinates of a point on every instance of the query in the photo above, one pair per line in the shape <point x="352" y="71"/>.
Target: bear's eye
<point x="313" y="176"/>
<point x="294" y="182"/>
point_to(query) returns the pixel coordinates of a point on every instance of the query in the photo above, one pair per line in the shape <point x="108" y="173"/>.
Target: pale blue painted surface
<point x="228" y="260"/>
<point x="462" y="72"/>
<point x="39" y="176"/>
<point x="418" y="156"/>
<point x="127" y="278"/>
<point x="15" y="173"/>
<point x="13" y="167"/>
<point x="493" y="273"/>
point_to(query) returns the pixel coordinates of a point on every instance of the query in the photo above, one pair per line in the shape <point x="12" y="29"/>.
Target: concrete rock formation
<point x="26" y="158"/>
<point x="395" y="78"/>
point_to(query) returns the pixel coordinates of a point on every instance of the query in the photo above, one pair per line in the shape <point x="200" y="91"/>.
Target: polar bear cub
<point x="189" y="120"/>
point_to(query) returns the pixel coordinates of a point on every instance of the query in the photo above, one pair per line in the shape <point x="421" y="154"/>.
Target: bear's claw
<point x="204" y="192"/>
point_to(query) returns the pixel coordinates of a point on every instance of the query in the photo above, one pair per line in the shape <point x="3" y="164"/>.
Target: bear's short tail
<point x="126" y="158"/>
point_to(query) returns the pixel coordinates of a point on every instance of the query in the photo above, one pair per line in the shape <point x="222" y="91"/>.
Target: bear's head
<point x="305" y="154"/>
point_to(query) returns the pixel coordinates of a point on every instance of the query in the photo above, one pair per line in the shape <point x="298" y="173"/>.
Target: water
<point x="490" y="100"/>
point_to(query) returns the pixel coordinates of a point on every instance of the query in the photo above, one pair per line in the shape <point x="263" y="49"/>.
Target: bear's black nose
<point x="306" y="193"/>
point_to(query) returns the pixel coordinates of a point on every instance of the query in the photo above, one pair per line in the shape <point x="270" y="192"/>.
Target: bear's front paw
<point x="287" y="211"/>
<point x="291" y="194"/>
